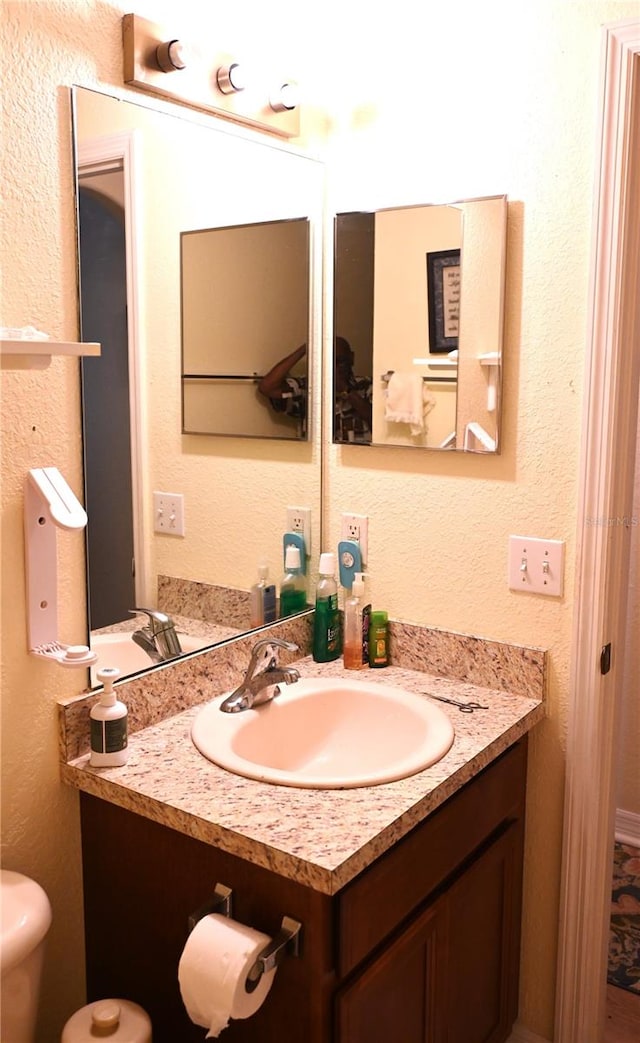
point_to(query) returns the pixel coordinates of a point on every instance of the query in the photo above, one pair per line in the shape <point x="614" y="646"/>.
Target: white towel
<point x="408" y="401"/>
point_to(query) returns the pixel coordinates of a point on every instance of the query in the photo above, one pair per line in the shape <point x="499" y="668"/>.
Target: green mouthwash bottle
<point x="327" y="637"/>
<point x="293" y="591"/>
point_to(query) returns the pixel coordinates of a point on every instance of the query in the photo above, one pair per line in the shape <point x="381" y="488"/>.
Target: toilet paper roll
<point x="213" y="971"/>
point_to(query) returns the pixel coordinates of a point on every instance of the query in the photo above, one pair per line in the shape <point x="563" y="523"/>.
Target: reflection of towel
<point x="408" y="401"/>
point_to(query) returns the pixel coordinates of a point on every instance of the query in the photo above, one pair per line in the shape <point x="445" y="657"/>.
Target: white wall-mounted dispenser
<point x="48" y="502"/>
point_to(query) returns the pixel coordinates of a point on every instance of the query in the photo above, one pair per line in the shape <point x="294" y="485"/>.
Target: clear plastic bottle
<point x="327" y="643"/>
<point x="353" y="630"/>
<point x="108" y="722"/>
<point x="293" y="591"/>
<point x="262" y="598"/>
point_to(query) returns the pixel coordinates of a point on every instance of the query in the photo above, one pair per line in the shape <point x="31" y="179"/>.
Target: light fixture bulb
<point x="285" y="98"/>
<point x="171" y="55"/>
<point x="232" y="78"/>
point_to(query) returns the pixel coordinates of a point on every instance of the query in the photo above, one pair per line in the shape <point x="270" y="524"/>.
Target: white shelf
<point x="490" y="358"/>
<point x="36" y="354"/>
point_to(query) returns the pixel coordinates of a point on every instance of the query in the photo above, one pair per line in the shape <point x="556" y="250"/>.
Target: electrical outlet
<point x="356" y="527"/>
<point x="168" y="513"/>
<point x="536" y="565"/>
<point x="299" y="520"/>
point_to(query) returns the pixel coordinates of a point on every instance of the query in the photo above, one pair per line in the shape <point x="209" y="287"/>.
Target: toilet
<point x="26" y="917"/>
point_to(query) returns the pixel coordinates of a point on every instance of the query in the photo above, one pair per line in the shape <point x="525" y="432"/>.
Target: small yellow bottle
<point x="379" y="639"/>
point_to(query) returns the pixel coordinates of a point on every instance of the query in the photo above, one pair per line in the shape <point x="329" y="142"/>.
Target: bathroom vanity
<point x="409" y="893"/>
<point x="423" y="945"/>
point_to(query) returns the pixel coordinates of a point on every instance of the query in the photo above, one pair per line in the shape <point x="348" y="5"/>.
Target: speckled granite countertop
<point x="322" y="838"/>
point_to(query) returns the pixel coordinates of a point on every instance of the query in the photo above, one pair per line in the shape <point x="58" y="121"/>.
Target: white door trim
<point x="604" y="532"/>
<point x="121" y="148"/>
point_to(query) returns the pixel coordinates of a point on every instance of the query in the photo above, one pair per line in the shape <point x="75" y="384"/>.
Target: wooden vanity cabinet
<point x="422" y="947"/>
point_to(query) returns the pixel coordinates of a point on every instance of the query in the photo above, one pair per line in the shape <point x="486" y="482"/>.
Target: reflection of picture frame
<point x="443" y="294"/>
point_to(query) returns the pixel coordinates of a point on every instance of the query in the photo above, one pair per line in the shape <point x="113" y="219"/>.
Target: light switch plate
<point x="168" y="513"/>
<point x="536" y="566"/>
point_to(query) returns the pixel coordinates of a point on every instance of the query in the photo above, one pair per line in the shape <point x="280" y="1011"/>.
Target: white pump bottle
<point x="109" y="741"/>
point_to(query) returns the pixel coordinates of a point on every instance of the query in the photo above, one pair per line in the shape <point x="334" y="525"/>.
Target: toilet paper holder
<point x="285" y="943"/>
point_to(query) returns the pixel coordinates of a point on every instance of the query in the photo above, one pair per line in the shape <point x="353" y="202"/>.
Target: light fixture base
<point x="198" y="85"/>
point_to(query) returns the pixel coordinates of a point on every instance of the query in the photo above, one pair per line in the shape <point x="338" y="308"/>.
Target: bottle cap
<point x="379" y="617"/>
<point x="327" y="565"/>
<point x="358" y="584"/>
<point x="263" y="569"/>
<point x="292" y="557"/>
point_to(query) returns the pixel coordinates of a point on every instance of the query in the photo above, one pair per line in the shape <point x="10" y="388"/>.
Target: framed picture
<point x="443" y="296"/>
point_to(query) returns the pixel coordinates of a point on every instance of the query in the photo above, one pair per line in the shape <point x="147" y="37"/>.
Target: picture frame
<point x="443" y="300"/>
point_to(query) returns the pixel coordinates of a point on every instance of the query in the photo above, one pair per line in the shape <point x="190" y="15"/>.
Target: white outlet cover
<point x="536" y="566"/>
<point x="361" y="522"/>
<point x="299" y="520"/>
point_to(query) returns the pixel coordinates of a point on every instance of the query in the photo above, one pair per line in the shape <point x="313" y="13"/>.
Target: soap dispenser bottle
<point x="327" y="643"/>
<point x="353" y="625"/>
<point x="108" y="720"/>
<point x="293" y="591"/>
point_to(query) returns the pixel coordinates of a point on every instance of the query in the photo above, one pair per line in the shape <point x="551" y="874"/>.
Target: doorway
<point x="105" y="399"/>
<point x="604" y="536"/>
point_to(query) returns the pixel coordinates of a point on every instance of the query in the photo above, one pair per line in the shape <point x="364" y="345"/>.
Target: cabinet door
<point x="396" y="997"/>
<point x="483" y="944"/>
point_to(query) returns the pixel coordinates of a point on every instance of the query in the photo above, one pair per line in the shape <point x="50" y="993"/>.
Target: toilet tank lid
<point x="25" y="917"/>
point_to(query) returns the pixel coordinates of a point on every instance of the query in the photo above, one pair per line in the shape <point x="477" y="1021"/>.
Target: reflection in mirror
<point x="179" y="523"/>
<point x="418" y="300"/>
<point x="245" y="304"/>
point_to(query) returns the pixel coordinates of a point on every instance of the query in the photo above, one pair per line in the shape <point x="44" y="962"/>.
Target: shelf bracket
<point x="48" y="503"/>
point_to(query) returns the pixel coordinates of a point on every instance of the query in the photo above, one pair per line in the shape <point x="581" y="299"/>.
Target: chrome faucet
<point x="263" y="677"/>
<point x="158" y="638"/>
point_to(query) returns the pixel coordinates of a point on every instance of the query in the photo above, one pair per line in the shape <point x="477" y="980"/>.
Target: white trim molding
<point x="628" y="828"/>
<point x="603" y="539"/>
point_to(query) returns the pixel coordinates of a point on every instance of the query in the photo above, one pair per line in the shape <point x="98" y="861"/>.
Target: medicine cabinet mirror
<point x="418" y="324"/>
<point x="180" y="521"/>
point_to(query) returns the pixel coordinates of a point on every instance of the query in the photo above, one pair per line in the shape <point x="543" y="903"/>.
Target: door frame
<point x="122" y="148"/>
<point x="605" y="526"/>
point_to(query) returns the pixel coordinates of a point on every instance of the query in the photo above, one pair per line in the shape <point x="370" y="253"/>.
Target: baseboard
<point x="520" y="1034"/>
<point x="628" y="828"/>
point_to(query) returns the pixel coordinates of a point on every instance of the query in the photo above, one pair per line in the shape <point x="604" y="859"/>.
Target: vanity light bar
<point x="159" y="62"/>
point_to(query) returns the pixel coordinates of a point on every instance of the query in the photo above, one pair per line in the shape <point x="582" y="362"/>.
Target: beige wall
<point x="497" y="98"/>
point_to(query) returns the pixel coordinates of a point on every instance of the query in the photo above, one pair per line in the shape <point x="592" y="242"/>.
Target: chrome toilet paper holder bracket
<point x="285" y="943"/>
<point x="221" y="902"/>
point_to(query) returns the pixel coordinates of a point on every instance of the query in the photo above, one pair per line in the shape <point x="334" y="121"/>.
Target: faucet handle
<point x="157" y="620"/>
<point x="264" y="653"/>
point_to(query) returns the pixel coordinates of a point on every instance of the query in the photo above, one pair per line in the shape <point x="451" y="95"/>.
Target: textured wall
<point x="494" y="98"/>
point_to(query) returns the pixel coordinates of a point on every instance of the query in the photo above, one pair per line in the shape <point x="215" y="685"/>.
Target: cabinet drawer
<point x="373" y="905"/>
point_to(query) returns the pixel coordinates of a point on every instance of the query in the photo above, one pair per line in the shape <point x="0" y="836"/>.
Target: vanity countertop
<point x="321" y="838"/>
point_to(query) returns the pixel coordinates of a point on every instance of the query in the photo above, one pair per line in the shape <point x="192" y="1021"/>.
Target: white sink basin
<point x="121" y="651"/>
<point x="327" y="734"/>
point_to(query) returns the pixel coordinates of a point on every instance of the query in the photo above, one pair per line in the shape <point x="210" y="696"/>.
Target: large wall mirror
<point x="245" y="307"/>
<point x="149" y="178"/>
<point x="418" y="323"/>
